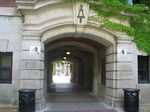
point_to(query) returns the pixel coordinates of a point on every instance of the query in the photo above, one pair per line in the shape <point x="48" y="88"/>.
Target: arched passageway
<point x="54" y="27"/>
<point x="89" y="53"/>
<point x="81" y="59"/>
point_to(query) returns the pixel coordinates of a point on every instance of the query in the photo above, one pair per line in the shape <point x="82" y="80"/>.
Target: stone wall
<point x="10" y="41"/>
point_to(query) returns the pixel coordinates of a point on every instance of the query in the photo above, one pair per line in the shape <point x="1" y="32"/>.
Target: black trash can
<point x="26" y="100"/>
<point x="131" y="99"/>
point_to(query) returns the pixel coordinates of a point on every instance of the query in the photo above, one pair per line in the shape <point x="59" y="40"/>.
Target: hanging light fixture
<point x="64" y="58"/>
<point x="68" y="53"/>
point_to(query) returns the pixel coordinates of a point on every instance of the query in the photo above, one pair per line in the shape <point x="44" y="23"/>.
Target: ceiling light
<point x="68" y="52"/>
<point x="64" y="58"/>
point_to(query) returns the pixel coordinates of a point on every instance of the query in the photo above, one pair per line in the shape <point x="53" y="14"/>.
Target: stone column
<point x="32" y="67"/>
<point x="119" y="70"/>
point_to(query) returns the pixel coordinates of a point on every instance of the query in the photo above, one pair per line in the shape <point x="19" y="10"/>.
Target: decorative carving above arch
<point x="58" y="19"/>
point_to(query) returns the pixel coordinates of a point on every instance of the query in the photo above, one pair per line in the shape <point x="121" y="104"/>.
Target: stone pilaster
<point x="119" y="70"/>
<point x="32" y="67"/>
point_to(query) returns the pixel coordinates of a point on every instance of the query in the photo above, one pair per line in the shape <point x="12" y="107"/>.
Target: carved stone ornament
<point x="81" y="13"/>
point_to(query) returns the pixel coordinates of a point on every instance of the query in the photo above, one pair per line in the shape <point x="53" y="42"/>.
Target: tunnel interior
<point x="74" y="57"/>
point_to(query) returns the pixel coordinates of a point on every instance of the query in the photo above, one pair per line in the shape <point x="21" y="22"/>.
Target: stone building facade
<point x="35" y="34"/>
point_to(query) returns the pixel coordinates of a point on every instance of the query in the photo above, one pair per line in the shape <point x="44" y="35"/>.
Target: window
<point x="5" y="67"/>
<point x="143" y="69"/>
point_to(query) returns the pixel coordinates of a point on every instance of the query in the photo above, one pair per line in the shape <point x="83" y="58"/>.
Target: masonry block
<point x="124" y="66"/>
<point x="110" y="66"/>
<point x="32" y="74"/>
<point x="28" y="55"/>
<point x="119" y="75"/>
<point x="6" y="93"/>
<point x="31" y="84"/>
<point x="119" y="83"/>
<point x="36" y="65"/>
<point x="110" y="58"/>
<point x="14" y="47"/>
<point x="16" y="75"/>
<point x="4" y="43"/>
<point x="27" y="43"/>
<point x="110" y="50"/>
<point x="39" y="94"/>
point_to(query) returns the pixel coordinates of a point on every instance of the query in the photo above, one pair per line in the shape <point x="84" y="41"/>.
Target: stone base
<point x="114" y="102"/>
<point x="40" y="104"/>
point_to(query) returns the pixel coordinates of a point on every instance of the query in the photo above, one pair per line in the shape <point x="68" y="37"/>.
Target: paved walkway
<point x="145" y="108"/>
<point x="74" y="98"/>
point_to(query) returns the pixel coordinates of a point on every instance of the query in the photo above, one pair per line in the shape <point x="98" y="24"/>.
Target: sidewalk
<point x="143" y="108"/>
<point x="8" y="110"/>
<point x="72" y="97"/>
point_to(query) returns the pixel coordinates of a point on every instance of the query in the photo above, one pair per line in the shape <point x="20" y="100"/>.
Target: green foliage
<point x="123" y="1"/>
<point x="75" y="0"/>
<point x="139" y="20"/>
<point x="139" y="27"/>
<point x="141" y="24"/>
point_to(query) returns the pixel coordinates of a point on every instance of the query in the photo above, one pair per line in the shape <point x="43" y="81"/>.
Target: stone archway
<point x="90" y="32"/>
<point x="47" y="21"/>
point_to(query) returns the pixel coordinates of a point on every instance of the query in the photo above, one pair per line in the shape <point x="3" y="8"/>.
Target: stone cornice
<point x="9" y="11"/>
<point x="35" y="4"/>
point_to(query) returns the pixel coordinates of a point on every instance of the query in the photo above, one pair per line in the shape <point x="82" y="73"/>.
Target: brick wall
<point x="8" y="3"/>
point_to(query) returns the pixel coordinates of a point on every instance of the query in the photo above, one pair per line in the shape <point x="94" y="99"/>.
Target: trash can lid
<point x="27" y="90"/>
<point x="131" y="89"/>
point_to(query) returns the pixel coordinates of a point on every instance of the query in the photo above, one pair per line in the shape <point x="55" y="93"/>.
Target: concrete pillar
<point x="119" y="70"/>
<point x="32" y="67"/>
